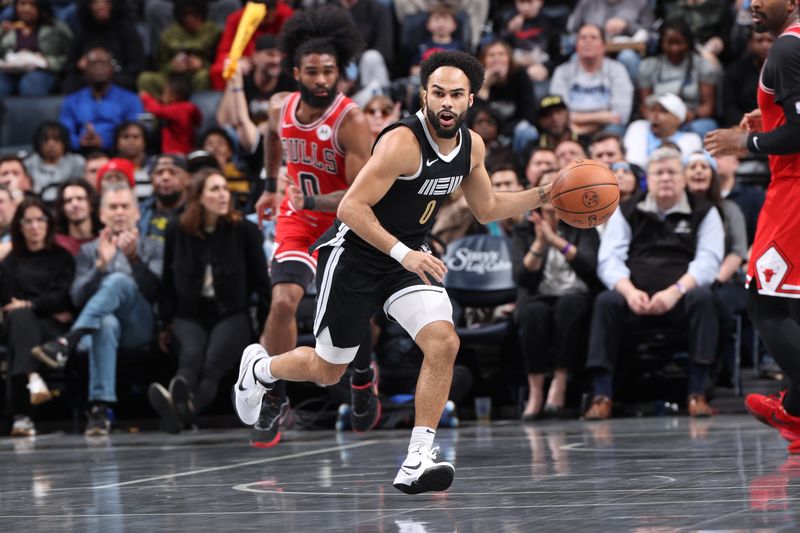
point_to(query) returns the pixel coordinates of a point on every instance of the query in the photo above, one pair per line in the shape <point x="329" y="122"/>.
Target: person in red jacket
<point x="277" y="15"/>
<point x="179" y="117"/>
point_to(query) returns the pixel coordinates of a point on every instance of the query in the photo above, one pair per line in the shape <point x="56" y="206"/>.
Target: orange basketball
<point x="585" y="193"/>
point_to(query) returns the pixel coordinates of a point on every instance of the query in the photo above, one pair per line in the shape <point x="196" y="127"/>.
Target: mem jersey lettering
<point x="775" y="258"/>
<point x="409" y="208"/>
<point x="314" y="160"/>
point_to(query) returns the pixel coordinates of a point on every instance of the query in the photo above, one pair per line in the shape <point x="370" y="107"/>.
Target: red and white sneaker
<point x="769" y="410"/>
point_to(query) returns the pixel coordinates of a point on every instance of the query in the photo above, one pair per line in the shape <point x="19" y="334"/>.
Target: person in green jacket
<point x="33" y="49"/>
<point x="186" y="47"/>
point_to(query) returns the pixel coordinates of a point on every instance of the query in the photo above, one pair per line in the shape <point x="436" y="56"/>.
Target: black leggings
<point x="208" y="351"/>
<point x="777" y="321"/>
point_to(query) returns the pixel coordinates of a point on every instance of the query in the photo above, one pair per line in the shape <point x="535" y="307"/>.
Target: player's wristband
<point x="309" y="202"/>
<point x="271" y="184"/>
<point x="399" y="252"/>
<point x="752" y="144"/>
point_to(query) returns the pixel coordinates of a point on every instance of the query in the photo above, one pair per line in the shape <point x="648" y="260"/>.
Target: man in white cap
<point x="667" y="114"/>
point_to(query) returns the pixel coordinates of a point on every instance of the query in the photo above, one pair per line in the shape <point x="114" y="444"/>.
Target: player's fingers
<point x="421" y="273"/>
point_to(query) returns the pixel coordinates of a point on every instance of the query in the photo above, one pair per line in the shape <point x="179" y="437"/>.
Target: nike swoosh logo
<point x="413" y="467"/>
<point x="431" y="432"/>
<point x="429" y="162"/>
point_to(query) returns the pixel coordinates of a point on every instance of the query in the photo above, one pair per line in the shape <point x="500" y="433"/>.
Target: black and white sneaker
<point x="54" y="353"/>
<point x="97" y="422"/>
<point x="421" y="473"/>
<point x="161" y="401"/>
<point x="266" y="433"/>
<point x="366" y="405"/>
<point x="182" y="400"/>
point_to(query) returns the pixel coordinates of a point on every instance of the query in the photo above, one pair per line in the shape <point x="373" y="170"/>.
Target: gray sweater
<point x="146" y="272"/>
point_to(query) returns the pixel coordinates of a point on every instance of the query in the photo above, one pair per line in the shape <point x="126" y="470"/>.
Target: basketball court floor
<point x="650" y="474"/>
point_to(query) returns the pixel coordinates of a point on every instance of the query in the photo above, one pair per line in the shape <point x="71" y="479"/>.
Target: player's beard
<point x="441" y="131"/>
<point x="320" y="102"/>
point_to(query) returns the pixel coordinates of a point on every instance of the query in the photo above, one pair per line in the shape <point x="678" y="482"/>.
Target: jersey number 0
<point x="429" y="209"/>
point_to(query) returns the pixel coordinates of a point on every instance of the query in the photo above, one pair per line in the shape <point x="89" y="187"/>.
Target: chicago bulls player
<point x="323" y="138"/>
<point x="774" y="268"/>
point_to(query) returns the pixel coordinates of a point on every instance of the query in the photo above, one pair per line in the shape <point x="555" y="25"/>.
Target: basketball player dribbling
<point x="774" y="268"/>
<point x="375" y="257"/>
<point x="324" y="139"/>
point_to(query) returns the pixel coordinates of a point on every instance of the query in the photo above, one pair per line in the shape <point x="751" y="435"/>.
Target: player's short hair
<point x="463" y="61"/>
<point x="326" y="29"/>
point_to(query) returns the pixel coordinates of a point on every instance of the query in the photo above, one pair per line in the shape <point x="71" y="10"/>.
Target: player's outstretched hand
<point x="423" y="263"/>
<point x="730" y="141"/>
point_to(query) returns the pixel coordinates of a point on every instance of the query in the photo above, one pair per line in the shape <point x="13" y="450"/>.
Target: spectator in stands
<point x="14" y="175"/>
<point x="617" y="18"/>
<point x="51" y="163"/>
<point x="160" y="14"/>
<point x="380" y="112"/>
<point x="76" y="215"/>
<point x="504" y="179"/>
<point x="34" y="293"/>
<point x="678" y="69"/>
<point x="185" y="48"/>
<point x="553" y="122"/>
<point x="130" y="142"/>
<point x="666" y="113"/>
<point x="509" y="91"/>
<point x="105" y="24"/>
<point x="555" y="269"/>
<point x="375" y="23"/>
<point x="749" y="198"/>
<point x="487" y="123"/>
<point x="91" y="114"/>
<point x="213" y="264"/>
<point x="117" y="170"/>
<point x="535" y="42"/>
<point x="7" y="209"/>
<point x="606" y="147"/>
<point x="628" y="177"/>
<point x="702" y="180"/>
<point x="659" y="254"/>
<point x="178" y="116"/>
<point x="741" y="77"/>
<point x="170" y="184"/>
<point x="219" y="143"/>
<point x="116" y="283"/>
<point x="477" y="13"/>
<point x="597" y="90"/>
<point x="442" y="26"/>
<point x="540" y="161"/>
<point x="710" y="21"/>
<point x="33" y="49"/>
<point x="94" y="162"/>
<point x="278" y="12"/>
<point x="266" y="78"/>
<point x="569" y="151"/>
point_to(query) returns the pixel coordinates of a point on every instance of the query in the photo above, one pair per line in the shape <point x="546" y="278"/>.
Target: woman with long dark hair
<point x="33" y="49"/>
<point x="681" y="70"/>
<point x="34" y="293"/>
<point x="213" y="264"/>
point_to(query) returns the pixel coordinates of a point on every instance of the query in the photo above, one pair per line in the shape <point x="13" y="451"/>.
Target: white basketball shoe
<point x="248" y="391"/>
<point x="421" y="473"/>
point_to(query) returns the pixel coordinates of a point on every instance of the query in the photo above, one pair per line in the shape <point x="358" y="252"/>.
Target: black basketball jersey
<point x="409" y="208"/>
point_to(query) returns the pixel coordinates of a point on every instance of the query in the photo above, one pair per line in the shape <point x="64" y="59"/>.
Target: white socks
<point x="261" y="370"/>
<point x="421" y="436"/>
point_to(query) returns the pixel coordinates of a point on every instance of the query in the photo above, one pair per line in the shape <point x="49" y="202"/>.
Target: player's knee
<point x="284" y="304"/>
<point x="446" y="349"/>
